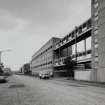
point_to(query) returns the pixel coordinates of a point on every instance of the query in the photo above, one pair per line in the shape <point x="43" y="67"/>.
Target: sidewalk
<point x="79" y="82"/>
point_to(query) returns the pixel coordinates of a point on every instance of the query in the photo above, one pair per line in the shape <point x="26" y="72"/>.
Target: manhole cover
<point x="17" y="86"/>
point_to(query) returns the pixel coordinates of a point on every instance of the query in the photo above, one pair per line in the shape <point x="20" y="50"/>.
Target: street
<point x="25" y="90"/>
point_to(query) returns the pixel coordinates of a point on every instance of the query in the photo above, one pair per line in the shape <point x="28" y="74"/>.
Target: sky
<point x="25" y="25"/>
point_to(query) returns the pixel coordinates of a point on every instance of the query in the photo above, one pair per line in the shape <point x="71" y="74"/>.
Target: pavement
<point x="24" y="90"/>
<point x="89" y="83"/>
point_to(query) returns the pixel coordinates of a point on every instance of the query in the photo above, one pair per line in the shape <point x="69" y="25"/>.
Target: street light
<point x="2" y="51"/>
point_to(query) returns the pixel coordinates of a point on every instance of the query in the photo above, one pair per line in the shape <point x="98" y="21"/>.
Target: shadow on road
<point x="3" y="81"/>
<point x="17" y="86"/>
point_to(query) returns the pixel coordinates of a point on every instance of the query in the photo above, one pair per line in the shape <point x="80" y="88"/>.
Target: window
<point x="95" y="0"/>
<point x="70" y="37"/>
<point x="96" y="59"/>
<point x="96" y="18"/>
<point x="73" y="49"/>
<point x="81" y="46"/>
<point x="80" y="30"/>
<point x="96" y="45"/>
<point x="96" y="32"/>
<point x="96" y="40"/>
<point x="96" y="27"/>
<point x="96" y="5"/>
<point x="96" y="54"/>
<point x="88" y="43"/>
<point x="88" y="66"/>
<point x="73" y="34"/>
<point x="96" y="13"/>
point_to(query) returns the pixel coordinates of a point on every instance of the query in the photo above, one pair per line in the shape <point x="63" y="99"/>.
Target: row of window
<point x="41" y="53"/>
<point x="44" y="64"/>
<point x="80" y="54"/>
<point x="42" y="59"/>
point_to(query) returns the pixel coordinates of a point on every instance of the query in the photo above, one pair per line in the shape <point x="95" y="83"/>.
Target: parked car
<point x="7" y="72"/>
<point x="44" y="75"/>
<point x="3" y="78"/>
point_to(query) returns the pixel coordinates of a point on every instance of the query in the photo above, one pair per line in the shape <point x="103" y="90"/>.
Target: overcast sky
<point x="25" y="25"/>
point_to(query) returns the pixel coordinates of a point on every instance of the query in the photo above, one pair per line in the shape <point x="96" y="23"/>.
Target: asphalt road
<point x="24" y="90"/>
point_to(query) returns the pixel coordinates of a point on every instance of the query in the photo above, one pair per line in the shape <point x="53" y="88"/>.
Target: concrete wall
<point x="101" y="39"/>
<point x="82" y="75"/>
<point x="98" y="39"/>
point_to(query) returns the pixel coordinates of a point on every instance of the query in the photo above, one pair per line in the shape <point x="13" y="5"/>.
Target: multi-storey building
<point x="76" y="45"/>
<point x="85" y="44"/>
<point x="98" y="39"/>
<point x="43" y="59"/>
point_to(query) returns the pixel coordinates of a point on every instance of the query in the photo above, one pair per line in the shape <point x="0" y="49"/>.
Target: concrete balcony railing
<point x="83" y="31"/>
<point x="75" y="34"/>
<point x="83" y="58"/>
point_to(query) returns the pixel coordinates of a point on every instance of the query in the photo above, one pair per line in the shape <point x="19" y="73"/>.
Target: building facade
<point x="85" y="44"/>
<point x="25" y="69"/>
<point x="77" y="46"/>
<point x="98" y="39"/>
<point x="43" y="59"/>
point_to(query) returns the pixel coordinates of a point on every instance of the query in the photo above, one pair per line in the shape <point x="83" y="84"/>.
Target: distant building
<point x="25" y="69"/>
<point x="43" y="59"/>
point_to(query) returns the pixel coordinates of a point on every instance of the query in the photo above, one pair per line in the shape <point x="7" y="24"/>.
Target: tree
<point x="70" y="66"/>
